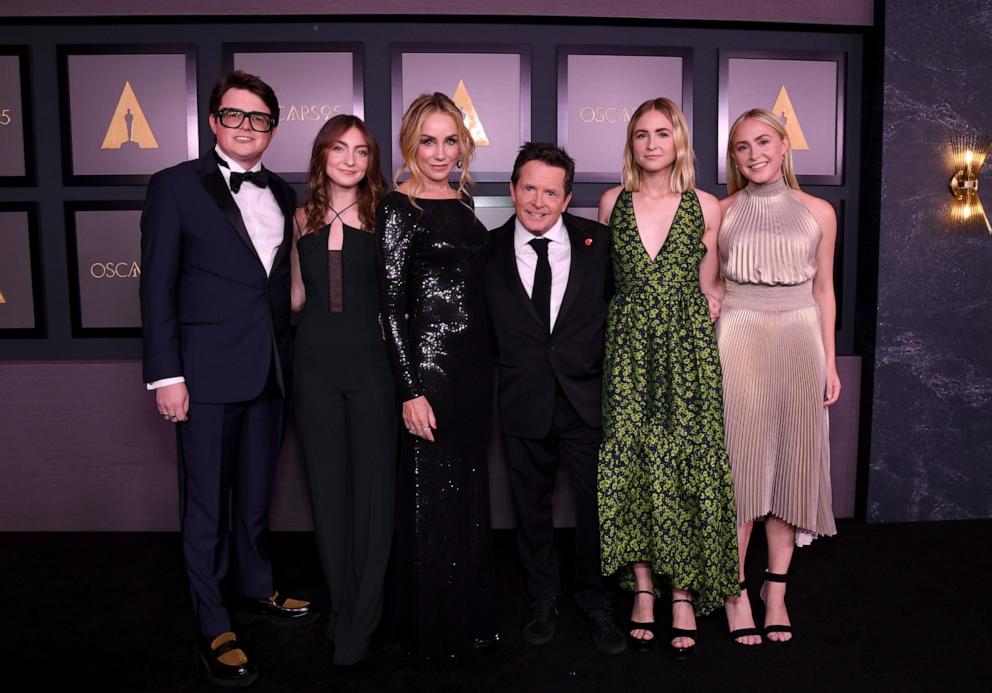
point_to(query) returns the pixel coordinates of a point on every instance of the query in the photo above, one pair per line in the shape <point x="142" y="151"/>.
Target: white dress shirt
<point x="263" y="220"/>
<point x="260" y="211"/>
<point x="559" y="257"/>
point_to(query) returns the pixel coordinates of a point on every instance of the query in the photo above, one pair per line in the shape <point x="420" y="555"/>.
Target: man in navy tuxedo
<point x="215" y="310"/>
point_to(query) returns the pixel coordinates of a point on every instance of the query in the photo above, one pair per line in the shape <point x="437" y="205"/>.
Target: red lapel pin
<point x="588" y="241"/>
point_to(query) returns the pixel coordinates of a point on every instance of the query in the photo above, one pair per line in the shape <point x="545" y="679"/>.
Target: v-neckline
<point x="637" y="229"/>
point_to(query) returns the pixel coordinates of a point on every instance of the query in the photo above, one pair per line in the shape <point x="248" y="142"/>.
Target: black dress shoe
<point x="221" y="674"/>
<point x="275" y="610"/>
<point x="540" y="626"/>
<point x="606" y="636"/>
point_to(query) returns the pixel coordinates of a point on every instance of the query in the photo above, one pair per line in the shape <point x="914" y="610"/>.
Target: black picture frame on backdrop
<point x="40" y="328"/>
<point x="397" y="52"/>
<point x="837" y="58"/>
<point x="357" y="51"/>
<point x="79" y="328"/>
<point x="587" y="209"/>
<point x="22" y="53"/>
<point x="496" y="209"/>
<point x="187" y="109"/>
<point x="585" y="174"/>
<point x="493" y="209"/>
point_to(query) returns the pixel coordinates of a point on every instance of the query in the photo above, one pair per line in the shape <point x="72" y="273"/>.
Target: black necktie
<point x="258" y="178"/>
<point x="541" y="294"/>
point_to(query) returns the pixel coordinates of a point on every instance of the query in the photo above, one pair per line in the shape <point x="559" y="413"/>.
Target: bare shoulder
<point x="606" y="203"/>
<point x="299" y="221"/>
<point x="609" y="198"/>
<point x="821" y="209"/>
<point x="706" y="200"/>
<point x="726" y="202"/>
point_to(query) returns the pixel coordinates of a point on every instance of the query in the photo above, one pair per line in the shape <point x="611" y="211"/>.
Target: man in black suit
<point x="215" y="309"/>
<point x="547" y="285"/>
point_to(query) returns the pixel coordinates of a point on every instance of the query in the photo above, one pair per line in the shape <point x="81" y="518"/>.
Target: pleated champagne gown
<point x="773" y="361"/>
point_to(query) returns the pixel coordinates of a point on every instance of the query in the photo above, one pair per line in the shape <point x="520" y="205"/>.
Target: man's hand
<point x="173" y="402"/>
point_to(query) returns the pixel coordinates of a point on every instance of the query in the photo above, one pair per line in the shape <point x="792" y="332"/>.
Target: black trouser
<point x="533" y="464"/>
<point x="346" y="422"/>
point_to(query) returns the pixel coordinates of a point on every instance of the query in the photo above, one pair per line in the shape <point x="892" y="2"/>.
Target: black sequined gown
<point x="431" y="264"/>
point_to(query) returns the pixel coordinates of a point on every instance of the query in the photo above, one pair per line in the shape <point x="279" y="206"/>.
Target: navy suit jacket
<point x="209" y="313"/>
<point x="531" y="359"/>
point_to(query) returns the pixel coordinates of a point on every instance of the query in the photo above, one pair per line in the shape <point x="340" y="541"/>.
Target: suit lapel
<point x="506" y="262"/>
<point x="578" y="267"/>
<point x="213" y="180"/>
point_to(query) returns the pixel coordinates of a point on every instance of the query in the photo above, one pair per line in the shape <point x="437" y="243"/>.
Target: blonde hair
<point x="683" y="168"/>
<point x="735" y="179"/>
<point x="419" y="110"/>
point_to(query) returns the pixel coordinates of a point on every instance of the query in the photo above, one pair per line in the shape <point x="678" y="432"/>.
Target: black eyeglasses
<point x="257" y="121"/>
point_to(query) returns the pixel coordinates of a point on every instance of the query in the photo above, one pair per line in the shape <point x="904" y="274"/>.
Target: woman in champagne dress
<point x="776" y="337"/>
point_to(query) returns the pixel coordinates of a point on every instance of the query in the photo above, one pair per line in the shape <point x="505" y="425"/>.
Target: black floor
<point x="877" y="608"/>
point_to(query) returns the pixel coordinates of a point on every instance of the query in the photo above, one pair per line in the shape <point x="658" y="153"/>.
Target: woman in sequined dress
<point x="432" y="254"/>
<point x="345" y="417"/>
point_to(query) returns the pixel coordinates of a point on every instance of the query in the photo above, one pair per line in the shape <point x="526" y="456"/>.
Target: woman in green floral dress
<point x="666" y="500"/>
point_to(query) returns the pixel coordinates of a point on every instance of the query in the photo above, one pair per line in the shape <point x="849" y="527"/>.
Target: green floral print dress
<point x="665" y="488"/>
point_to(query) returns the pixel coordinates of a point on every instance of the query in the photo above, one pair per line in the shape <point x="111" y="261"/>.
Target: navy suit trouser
<point x="227" y="462"/>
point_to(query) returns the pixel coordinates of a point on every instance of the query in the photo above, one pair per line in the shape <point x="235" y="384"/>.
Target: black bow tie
<point x="257" y="178"/>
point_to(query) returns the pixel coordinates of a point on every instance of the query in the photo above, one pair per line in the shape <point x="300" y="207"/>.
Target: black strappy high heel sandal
<point x="742" y="632"/>
<point x="642" y="644"/>
<point x="682" y="652"/>
<point x="776" y="628"/>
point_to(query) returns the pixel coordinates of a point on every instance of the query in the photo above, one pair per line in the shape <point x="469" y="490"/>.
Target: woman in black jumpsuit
<point x="344" y="395"/>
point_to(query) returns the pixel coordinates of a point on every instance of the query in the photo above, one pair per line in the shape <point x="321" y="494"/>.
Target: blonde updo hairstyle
<point x="683" y="168"/>
<point x="735" y="179"/>
<point x="419" y="110"/>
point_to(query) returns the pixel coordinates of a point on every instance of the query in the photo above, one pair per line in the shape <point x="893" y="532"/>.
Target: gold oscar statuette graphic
<point x="787" y="116"/>
<point x="472" y="121"/>
<point x="128" y="126"/>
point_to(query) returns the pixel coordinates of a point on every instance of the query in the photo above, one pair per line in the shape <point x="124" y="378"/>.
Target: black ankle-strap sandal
<point x="742" y="632"/>
<point x="642" y="644"/>
<point x="682" y="652"/>
<point x="776" y="628"/>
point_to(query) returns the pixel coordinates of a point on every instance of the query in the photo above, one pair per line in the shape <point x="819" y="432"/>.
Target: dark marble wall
<point x="931" y="446"/>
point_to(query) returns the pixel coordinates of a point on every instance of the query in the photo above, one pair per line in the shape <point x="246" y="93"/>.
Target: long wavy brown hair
<point x="370" y="189"/>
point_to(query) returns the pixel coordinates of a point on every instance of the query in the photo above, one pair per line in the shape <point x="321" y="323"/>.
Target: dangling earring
<point x="458" y="164"/>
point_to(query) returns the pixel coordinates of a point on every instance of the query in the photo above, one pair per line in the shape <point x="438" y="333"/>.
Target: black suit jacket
<point x="209" y="312"/>
<point x="531" y="360"/>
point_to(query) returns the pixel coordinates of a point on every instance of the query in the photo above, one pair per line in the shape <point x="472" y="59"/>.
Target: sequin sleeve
<point x="396" y="228"/>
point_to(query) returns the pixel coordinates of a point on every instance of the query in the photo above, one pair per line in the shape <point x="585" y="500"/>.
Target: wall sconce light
<point x="969" y="155"/>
